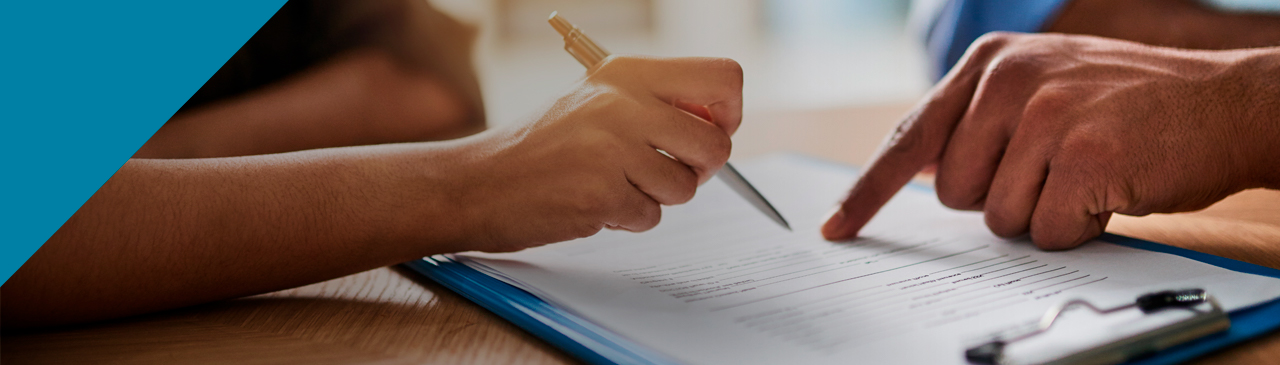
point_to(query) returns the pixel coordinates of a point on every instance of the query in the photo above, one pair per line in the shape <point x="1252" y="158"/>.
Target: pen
<point x="589" y="54"/>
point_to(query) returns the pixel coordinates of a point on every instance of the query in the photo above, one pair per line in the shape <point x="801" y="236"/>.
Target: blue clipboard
<point x="596" y="345"/>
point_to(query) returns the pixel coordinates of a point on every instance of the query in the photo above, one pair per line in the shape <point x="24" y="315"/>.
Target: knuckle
<point x="612" y="98"/>
<point x="994" y="41"/>
<point x="1083" y="141"/>
<point x="984" y="49"/>
<point x="1046" y="108"/>
<point x="1009" y="69"/>
<point x="596" y="103"/>
<point x="595" y="142"/>
<point x="989" y="45"/>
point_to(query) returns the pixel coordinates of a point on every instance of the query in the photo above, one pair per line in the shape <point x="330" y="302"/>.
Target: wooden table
<point x="391" y="316"/>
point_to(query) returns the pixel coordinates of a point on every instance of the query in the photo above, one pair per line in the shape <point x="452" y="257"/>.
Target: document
<point x="717" y="282"/>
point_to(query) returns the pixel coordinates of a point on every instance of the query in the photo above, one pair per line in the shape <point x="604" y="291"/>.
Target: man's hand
<point x="1051" y="134"/>
<point x="592" y="160"/>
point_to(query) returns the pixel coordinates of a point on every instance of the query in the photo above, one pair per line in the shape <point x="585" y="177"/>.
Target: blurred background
<point x="797" y="54"/>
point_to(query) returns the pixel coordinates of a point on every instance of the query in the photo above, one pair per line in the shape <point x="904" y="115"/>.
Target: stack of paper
<point x="717" y="282"/>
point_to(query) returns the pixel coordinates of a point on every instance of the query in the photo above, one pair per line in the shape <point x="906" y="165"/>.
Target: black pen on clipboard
<point x="1204" y="322"/>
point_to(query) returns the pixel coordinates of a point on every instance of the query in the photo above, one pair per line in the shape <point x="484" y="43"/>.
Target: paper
<point x="717" y="282"/>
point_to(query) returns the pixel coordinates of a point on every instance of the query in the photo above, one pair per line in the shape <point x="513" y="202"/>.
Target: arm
<point x="1051" y="134"/>
<point x="168" y="233"/>
<point x="1170" y="23"/>
<point x="360" y="98"/>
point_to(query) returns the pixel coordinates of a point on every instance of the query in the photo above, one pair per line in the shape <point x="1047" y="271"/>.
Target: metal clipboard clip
<point x="1203" y="323"/>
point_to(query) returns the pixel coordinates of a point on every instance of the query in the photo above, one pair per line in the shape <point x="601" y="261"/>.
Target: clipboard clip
<point x="1202" y="324"/>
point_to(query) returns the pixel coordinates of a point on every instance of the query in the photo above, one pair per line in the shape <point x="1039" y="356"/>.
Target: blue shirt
<point x="951" y="25"/>
<point x="960" y="22"/>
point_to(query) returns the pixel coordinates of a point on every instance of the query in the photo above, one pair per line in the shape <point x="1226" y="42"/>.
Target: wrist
<point x="1257" y="72"/>
<point x="419" y="195"/>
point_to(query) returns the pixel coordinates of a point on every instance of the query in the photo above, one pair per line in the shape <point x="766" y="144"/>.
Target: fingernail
<point x="835" y="226"/>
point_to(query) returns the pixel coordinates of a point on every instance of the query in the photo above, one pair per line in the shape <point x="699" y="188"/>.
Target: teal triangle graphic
<point x="83" y="84"/>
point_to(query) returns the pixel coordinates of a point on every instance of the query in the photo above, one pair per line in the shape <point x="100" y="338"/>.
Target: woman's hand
<point x="592" y="160"/>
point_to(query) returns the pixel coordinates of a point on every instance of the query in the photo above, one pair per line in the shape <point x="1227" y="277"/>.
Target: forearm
<point x="360" y="98"/>
<point x="169" y="233"/>
<point x="1171" y="23"/>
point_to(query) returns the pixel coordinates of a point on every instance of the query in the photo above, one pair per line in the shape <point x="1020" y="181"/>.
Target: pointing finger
<point x="918" y="141"/>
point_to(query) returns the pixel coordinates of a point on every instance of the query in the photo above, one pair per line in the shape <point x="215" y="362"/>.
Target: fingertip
<point x="837" y="226"/>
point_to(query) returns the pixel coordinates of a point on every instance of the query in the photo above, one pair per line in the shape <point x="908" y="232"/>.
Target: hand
<point x="591" y="161"/>
<point x="1051" y="134"/>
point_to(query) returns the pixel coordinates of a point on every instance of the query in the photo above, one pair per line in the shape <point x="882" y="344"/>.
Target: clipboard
<point x="1200" y="315"/>
<point x="595" y="345"/>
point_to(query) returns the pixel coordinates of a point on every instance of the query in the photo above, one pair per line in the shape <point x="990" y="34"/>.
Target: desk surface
<point x="389" y="315"/>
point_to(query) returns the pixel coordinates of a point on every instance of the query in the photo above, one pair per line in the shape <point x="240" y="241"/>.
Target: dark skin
<point x="1050" y="134"/>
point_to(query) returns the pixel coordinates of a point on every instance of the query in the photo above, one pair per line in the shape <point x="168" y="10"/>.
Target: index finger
<point x="917" y="141"/>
